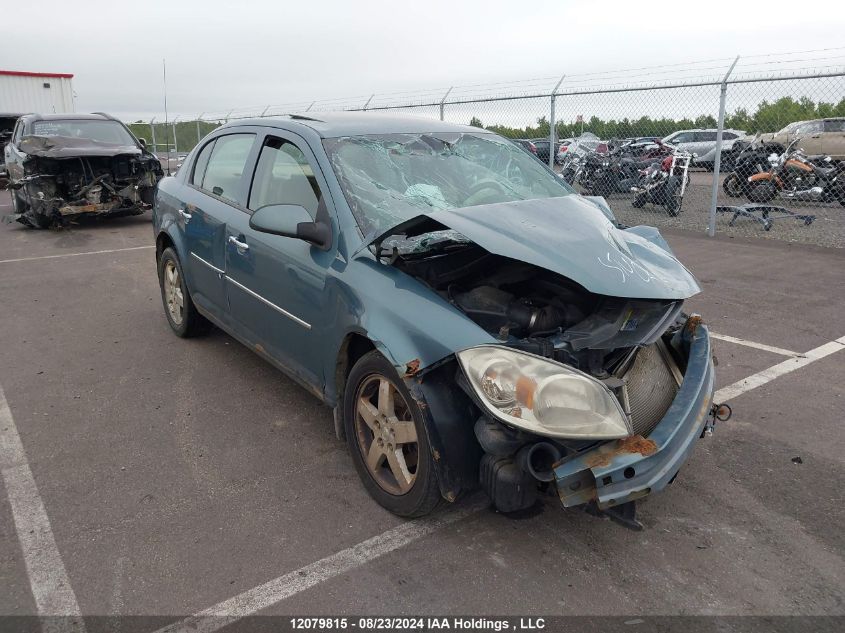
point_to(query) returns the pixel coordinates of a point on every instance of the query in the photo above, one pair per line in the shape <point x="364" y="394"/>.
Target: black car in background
<point x="63" y="166"/>
<point x="542" y="145"/>
<point x="527" y="145"/>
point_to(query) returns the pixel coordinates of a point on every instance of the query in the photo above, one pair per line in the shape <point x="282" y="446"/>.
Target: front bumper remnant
<point x="622" y="471"/>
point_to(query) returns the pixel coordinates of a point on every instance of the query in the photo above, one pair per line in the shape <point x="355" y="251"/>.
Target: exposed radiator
<point x="652" y="382"/>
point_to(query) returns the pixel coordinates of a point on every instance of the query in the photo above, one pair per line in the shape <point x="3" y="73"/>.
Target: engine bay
<point x="539" y="311"/>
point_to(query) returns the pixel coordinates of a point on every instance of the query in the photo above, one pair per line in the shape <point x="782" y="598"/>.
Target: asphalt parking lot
<point x="188" y="476"/>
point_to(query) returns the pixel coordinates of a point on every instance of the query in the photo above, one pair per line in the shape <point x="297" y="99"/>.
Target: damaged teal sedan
<point x="470" y="319"/>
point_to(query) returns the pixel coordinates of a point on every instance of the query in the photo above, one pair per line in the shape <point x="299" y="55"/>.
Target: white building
<point x="45" y="93"/>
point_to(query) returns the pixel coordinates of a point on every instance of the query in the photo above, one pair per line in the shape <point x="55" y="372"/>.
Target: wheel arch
<point x="169" y="237"/>
<point x="448" y="413"/>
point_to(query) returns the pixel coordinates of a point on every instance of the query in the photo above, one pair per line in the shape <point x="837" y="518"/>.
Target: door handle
<point x="241" y="246"/>
<point x="185" y="215"/>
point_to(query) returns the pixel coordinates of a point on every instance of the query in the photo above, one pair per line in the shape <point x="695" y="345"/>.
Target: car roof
<point x="68" y="116"/>
<point x="334" y="124"/>
<point x="704" y="129"/>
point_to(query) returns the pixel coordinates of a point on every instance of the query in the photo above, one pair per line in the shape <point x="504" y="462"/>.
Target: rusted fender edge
<point x="628" y="469"/>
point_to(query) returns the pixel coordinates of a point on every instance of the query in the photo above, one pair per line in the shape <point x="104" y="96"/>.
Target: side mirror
<point x="291" y="220"/>
<point x="143" y="142"/>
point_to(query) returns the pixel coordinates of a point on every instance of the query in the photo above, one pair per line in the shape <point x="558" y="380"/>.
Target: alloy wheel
<point x="173" y="296"/>
<point x="386" y="435"/>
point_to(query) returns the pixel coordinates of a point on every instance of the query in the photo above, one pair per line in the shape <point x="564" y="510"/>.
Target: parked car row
<point x="816" y="137"/>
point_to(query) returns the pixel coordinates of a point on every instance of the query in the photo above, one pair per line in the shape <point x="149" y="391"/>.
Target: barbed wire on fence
<point x="724" y="101"/>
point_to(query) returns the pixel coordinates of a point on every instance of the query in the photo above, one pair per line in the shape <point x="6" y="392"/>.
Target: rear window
<point x="834" y="126"/>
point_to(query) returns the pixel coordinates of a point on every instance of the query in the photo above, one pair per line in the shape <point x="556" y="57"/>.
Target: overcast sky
<point x="224" y="55"/>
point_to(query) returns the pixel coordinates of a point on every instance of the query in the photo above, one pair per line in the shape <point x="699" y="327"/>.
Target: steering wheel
<point x="483" y="191"/>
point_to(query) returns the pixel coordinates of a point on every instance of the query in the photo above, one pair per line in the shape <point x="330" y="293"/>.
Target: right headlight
<point x="542" y="396"/>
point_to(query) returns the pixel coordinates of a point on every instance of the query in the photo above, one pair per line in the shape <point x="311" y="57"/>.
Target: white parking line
<point x="787" y="366"/>
<point x="761" y="346"/>
<point x="48" y="579"/>
<point x="251" y="602"/>
<point x="63" y="255"/>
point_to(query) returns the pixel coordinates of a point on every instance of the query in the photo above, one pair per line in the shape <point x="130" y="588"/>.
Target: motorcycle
<point x="665" y="183"/>
<point x="572" y="164"/>
<point x="794" y="176"/>
<point x="752" y="159"/>
<point x="614" y="173"/>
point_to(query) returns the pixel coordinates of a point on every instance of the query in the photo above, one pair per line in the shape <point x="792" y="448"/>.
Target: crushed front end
<point x="597" y="397"/>
<point x="612" y="476"/>
<point x="67" y="179"/>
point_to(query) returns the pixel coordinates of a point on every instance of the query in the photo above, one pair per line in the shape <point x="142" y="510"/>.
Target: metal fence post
<point x="552" y="124"/>
<point x="443" y="103"/>
<point x="199" y="118"/>
<point x="368" y="101"/>
<point x="717" y="160"/>
<point x="153" y="135"/>
<point x="175" y="142"/>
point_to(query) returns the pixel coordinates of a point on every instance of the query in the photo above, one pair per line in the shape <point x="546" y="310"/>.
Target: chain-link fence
<point x="741" y="149"/>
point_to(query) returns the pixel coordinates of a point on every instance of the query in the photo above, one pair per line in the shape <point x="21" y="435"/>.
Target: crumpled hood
<point x="572" y="237"/>
<point x="70" y="147"/>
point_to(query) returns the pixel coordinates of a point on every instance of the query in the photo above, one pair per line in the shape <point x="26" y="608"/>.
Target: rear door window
<point x="834" y="126"/>
<point x="224" y="171"/>
<point x="682" y="137"/>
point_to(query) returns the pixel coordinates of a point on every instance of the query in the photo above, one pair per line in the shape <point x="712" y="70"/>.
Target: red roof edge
<point x="23" y="73"/>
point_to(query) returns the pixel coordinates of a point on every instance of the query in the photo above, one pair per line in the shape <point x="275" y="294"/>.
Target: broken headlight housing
<point x="541" y="396"/>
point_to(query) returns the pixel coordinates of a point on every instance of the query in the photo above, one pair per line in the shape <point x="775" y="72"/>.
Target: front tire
<point x="179" y="309"/>
<point x="387" y="439"/>
<point x="28" y="216"/>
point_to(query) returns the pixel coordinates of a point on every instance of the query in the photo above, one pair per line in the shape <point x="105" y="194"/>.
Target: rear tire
<point x="731" y="185"/>
<point x="398" y="474"/>
<point x="181" y="313"/>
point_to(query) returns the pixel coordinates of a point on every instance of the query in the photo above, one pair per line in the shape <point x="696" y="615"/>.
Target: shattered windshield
<point x="109" y="132"/>
<point x="391" y="178"/>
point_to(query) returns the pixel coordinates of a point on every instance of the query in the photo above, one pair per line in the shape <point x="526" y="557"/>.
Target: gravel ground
<point x="827" y="229"/>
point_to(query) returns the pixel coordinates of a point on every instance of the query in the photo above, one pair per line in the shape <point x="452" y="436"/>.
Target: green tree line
<point x="186" y="134"/>
<point x="768" y="117"/>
